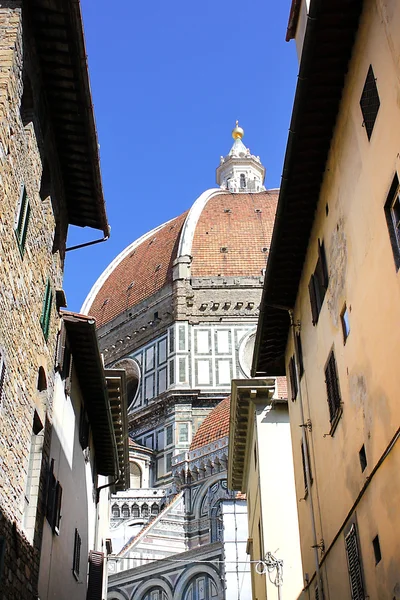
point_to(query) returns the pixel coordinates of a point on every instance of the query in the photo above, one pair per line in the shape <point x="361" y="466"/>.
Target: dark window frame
<point x="318" y="284"/>
<point x="293" y="378"/>
<point x="377" y="549"/>
<point x="392" y="223"/>
<point x="354" y="562"/>
<point x="303" y="460"/>
<point x="54" y="500"/>
<point x="333" y="391"/>
<point x="299" y="352"/>
<point x="45" y="317"/>
<point x="22" y="220"/>
<point x="77" y="555"/>
<point x="370" y="102"/>
<point x="2" y="375"/>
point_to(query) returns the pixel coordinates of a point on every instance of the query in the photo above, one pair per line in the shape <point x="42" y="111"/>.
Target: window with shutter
<point x="46" y="310"/>
<point x="333" y="391"/>
<point x="354" y="564"/>
<point x="22" y="220"/>
<point x="392" y="213"/>
<point x="304" y="449"/>
<point x="95" y="581"/>
<point x="2" y="376"/>
<point x="53" y="501"/>
<point x="299" y="350"/>
<point x="369" y="102"/>
<point x="293" y="378"/>
<point x="77" y="555"/>
<point x="318" y="283"/>
<point x="83" y="428"/>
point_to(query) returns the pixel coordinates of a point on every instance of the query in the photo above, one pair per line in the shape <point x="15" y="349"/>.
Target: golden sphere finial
<point x="238" y="132"/>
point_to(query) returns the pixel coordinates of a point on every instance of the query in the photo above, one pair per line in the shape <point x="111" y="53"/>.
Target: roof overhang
<point x="117" y="394"/>
<point x="58" y="31"/>
<point x="328" y="43"/>
<point x="81" y="332"/>
<point x="245" y="394"/>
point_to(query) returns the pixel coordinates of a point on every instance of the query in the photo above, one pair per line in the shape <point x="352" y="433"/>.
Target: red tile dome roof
<point x="231" y="233"/>
<point x="214" y="427"/>
<point x="140" y="274"/>
<point x="230" y="236"/>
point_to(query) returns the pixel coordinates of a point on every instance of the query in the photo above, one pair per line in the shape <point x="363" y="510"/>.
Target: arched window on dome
<point x="135" y="511"/>
<point x="125" y="511"/>
<point x="136" y="476"/>
<point x="201" y="587"/>
<point x="217" y="524"/>
<point x="115" y="511"/>
<point x="155" y="593"/>
<point x="145" y="510"/>
<point x="242" y="181"/>
<point x="154" y="509"/>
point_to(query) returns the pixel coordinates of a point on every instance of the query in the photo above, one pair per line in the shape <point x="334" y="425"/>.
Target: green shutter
<point x="22" y="221"/>
<point x="46" y="310"/>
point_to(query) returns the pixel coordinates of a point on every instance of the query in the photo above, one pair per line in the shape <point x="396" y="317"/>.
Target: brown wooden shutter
<point x="2" y="375"/>
<point x="95" y="583"/>
<point x="332" y="386"/>
<point x="323" y="265"/>
<point x="62" y="334"/>
<point x="313" y="300"/>
<point x="293" y="378"/>
<point x="354" y="564"/>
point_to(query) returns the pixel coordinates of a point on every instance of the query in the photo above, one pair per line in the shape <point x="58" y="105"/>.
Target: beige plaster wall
<point x="350" y="218"/>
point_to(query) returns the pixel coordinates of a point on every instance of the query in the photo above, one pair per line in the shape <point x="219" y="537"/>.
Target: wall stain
<point x="337" y="265"/>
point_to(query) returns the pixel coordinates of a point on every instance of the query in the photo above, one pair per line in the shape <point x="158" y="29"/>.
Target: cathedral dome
<point x="224" y="234"/>
<point x="214" y="427"/>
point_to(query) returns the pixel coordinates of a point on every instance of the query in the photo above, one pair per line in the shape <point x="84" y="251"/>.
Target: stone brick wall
<point x="23" y="278"/>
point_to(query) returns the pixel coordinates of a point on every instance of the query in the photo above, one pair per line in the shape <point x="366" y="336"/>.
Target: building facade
<point x="261" y="465"/>
<point x="328" y="319"/>
<point x="46" y="122"/>
<point x="177" y="309"/>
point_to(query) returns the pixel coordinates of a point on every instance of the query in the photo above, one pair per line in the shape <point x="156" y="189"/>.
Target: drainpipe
<point x="315" y="545"/>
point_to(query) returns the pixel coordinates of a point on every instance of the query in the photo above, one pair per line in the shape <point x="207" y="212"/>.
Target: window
<point x="135" y="511"/>
<point x="304" y="449"/>
<point x="169" y="435"/>
<point x="354" y="564"/>
<point x="95" y="578"/>
<point x="115" y="511"/>
<point x="392" y="212"/>
<point x="154" y="509"/>
<point x="83" y="428"/>
<point x="136" y="475"/>
<point x="299" y="350"/>
<point x="242" y="181"/>
<point x="369" y="102"/>
<point x="377" y="549"/>
<point x="2" y="376"/>
<point x="54" y="497"/>
<point x="77" y="554"/>
<point x="183" y="432"/>
<point x="363" y="459"/>
<point x="145" y="511"/>
<point x="344" y="319"/>
<point x="125" y="511"/>
<point x="168" y="462"/>
<point x="318" y="283"/>
<point x="293" y="378"/>
<point x="333" y="391"/>
<point x="22" y="220"/>
<point x="46" y="311"/>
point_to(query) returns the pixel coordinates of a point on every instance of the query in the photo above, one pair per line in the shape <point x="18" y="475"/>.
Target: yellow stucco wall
<point x="351" y="221"/>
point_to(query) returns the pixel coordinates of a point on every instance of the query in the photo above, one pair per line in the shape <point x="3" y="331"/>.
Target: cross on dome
<point x="239" y="171"/>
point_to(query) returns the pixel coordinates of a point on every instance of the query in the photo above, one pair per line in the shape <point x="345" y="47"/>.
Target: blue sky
<point x="168" y="80"/>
